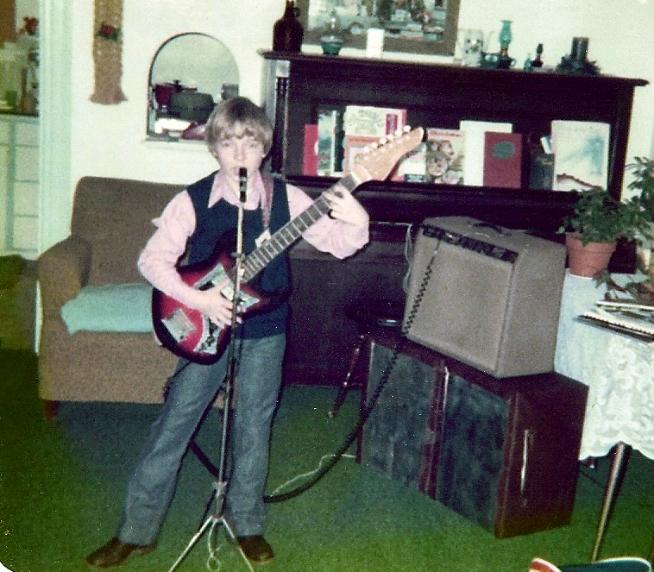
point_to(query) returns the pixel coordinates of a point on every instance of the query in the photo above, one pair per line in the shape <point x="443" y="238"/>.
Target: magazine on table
<point x="626" y="316"/>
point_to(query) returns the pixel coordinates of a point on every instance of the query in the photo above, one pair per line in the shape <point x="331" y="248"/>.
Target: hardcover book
<point x="581" y="154"/>
<point x="444" y="156"/>
<point x="502" y="160"/>
<point x="330" y="142"/>
<point x="541" y="171"/>
<point x="412" y="168"/>
<point x="310" y="150"/>
<point x="353" y="146"/>
<point x="474" y="147"/>
<point x="370" y="121"/>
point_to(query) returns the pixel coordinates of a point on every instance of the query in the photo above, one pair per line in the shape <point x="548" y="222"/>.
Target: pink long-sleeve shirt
<point x="176" y="224"/>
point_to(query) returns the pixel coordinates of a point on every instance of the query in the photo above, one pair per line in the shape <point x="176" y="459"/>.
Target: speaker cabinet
<point x="489" y="296"/>
<point x="501" y="453"/>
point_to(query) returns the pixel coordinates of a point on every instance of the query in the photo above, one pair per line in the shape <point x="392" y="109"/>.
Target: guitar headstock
<point x="378" y="163"/>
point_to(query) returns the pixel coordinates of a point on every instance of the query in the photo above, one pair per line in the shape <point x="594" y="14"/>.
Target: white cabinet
<point x="19" y="185"/>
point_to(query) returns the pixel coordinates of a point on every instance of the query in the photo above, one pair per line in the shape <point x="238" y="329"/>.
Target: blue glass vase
<point x="505" y="37"/>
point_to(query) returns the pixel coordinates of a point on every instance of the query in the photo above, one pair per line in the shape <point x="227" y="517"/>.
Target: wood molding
<point x="7" y="21"/>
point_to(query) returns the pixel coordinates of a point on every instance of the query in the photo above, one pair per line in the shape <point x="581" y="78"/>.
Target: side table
<point x="618" y="372"/>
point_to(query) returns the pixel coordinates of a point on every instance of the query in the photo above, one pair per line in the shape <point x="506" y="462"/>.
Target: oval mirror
<point x="189" y="74"/>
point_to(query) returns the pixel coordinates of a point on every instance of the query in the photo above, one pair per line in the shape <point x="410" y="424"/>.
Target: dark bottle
<point x="288" y="31"/>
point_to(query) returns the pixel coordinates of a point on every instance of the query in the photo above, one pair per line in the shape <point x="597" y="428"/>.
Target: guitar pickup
<point x="178" y="325"/>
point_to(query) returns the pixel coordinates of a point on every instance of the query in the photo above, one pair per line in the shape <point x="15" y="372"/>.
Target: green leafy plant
<point x="643" y="183"/>
<point x="598" y="217"/>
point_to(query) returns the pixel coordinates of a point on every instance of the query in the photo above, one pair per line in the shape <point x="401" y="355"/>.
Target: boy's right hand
<point x="215" y="306"/>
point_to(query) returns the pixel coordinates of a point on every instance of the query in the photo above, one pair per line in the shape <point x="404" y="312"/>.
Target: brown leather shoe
<point x="256" y="549"/>
<point x="115" y="552"/>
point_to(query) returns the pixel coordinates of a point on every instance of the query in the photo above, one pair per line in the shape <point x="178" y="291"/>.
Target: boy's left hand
<point x="345" y="207"/>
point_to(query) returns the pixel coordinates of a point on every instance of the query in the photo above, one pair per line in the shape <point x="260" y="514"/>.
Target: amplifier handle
<point x="496" y="228"/>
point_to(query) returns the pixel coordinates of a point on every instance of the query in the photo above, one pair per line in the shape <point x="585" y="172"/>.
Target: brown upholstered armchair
<point x="110" y="224"/>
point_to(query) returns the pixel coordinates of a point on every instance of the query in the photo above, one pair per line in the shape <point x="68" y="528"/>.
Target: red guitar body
<point x="188" y="333"/>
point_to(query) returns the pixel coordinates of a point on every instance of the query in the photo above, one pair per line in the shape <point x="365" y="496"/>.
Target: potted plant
<point x="597" y="222"/>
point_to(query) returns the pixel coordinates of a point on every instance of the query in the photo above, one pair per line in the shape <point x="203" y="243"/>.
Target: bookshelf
<point x="441" y="96"/>
<point x="296" y="85"/>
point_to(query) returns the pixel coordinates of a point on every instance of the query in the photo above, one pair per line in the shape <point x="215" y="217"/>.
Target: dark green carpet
<point x="61" y="489"/>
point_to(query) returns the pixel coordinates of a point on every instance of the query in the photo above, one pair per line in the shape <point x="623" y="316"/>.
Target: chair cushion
<point x="110" y="308"/>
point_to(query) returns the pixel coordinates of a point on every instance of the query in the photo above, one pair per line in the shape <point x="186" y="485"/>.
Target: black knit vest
<point x="213" y="227"/>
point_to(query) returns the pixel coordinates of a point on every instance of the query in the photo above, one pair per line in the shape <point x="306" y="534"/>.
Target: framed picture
<point x="417" y="26"/>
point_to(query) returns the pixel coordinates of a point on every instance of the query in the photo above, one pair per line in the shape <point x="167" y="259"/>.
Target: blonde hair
<point x="238" y="117"/>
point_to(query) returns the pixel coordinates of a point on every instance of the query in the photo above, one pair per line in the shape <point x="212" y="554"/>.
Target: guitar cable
<point x="366" y="411"/>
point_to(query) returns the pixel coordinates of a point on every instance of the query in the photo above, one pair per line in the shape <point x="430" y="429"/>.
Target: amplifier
<point x="491" y="298"/>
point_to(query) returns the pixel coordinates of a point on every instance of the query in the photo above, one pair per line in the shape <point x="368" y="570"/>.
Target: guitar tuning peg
<point x="406" y="128"/>
<point x="399" y="131"/>
<point x="383" y="141"/>
<point x="391" y="136"/>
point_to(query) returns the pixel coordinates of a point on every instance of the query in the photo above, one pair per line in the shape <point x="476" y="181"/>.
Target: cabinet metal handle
<point x="527" y="441"/>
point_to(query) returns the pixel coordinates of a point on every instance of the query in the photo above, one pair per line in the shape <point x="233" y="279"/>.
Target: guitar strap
<point x="266" y="201"/>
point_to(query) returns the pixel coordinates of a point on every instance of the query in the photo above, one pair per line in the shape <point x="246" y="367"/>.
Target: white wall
<point x="29" y="8"/>
<point x="109" y="140"/>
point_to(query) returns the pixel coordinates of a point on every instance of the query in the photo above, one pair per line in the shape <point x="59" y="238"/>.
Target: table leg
<point x="620" y="455"/>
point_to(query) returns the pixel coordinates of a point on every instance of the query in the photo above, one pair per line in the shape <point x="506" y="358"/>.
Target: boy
<point x="239" y="135"/>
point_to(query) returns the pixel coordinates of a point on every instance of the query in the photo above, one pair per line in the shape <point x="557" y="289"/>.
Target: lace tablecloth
<point x="618" y="370"/>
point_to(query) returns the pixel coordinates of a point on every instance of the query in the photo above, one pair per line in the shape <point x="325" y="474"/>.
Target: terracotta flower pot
<point x="587" y="260"/>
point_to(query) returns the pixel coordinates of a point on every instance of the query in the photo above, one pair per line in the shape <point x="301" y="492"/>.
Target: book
<point x="412" y="168"/>
<point x="330" y="141"/>
<point x="581" y="154"/>
<point x="626" y="304"/>
<point x="502" y="160"/>
<point x="473" y="167"/>
<point x="541" y="171"/>
<point x="623" y="322"/>
<point x="310" y="150"/>
<point x="353" y="146"/>
<point x="444" y="156"/>
<point x="371" y="121"/>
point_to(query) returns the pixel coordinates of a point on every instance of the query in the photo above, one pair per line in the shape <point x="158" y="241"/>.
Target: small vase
<point x="505" y="37"/>
<point x="331" y="40"/>
<point x="587" y="259"/>
<point x="288" y="31"/>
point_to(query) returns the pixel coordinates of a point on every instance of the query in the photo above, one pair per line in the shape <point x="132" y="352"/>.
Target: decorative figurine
<point x="537" y="62"/>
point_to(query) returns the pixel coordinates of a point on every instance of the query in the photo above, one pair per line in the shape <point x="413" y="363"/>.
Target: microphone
<point x="243" y="183"/>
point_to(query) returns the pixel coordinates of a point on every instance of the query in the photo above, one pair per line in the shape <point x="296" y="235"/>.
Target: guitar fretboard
<point x="259" y="258"/>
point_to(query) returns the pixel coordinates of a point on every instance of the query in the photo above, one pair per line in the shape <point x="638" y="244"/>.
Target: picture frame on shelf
<point x="416" y="26"/>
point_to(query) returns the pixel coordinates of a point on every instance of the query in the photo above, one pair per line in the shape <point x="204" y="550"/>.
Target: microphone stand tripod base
<point x="213" y="520"/>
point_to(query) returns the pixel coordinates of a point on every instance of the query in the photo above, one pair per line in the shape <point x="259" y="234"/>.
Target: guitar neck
<point x="259" y="258"/>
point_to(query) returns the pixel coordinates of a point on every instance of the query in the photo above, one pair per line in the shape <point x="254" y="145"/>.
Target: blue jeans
<point x="192" y="389"/>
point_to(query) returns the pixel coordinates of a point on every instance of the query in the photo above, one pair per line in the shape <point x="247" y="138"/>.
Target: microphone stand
<point x="217" y="518"/>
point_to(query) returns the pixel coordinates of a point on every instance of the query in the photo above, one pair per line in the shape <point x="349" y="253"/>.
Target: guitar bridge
<point x="178" y="325"/>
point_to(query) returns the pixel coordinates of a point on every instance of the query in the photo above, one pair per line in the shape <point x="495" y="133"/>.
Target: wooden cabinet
<point x="295" y="85"/>
<point x="500" y="452"/>
<point x="440" y="96"/>
<point x="19" y="185"/>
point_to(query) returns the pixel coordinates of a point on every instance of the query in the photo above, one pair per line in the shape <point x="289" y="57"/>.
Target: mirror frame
<point x="150" y="86"/>
<point x="446" y="46"/>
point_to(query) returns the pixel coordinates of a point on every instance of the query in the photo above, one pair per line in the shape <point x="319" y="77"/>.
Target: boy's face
<point x="233" y="153"/>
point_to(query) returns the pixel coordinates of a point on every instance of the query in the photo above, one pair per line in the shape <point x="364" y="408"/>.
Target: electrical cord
<point x="335" y="457"/>
<point x="365" y="414"/>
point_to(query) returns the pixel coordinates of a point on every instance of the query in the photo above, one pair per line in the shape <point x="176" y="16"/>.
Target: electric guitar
<point x="187" y="332"/>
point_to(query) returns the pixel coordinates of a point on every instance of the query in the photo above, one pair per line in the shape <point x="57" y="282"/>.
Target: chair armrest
<point x="62" y="271"/>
